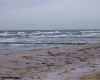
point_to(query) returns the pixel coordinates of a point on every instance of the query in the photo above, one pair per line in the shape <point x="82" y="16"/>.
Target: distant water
<point x="28" y="39"/>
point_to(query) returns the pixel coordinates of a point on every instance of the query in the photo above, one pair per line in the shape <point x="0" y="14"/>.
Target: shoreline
<point x="52" y="63"/>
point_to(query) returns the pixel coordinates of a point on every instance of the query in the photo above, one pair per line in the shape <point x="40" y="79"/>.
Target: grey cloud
<point x="19" y="13"/>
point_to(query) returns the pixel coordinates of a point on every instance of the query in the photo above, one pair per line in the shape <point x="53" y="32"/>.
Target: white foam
<point x="4" y="34"/>
<point x="46" y="33"/>
<point x="21" y="33"/>
<point x="8" y="40"/>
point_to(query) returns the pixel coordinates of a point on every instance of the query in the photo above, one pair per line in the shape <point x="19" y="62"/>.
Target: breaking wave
<point x="40" y="38"/>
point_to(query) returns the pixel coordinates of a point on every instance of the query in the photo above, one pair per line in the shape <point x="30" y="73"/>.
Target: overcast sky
<point x="52" y="14"/>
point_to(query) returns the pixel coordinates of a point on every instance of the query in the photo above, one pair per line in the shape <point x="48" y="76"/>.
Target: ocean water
<point x="29" y="39"/>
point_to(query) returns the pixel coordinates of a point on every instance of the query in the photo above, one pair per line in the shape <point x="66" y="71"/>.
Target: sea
<point x="32" y="39"/>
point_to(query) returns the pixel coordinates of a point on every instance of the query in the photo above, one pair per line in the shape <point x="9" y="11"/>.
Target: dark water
<point x="28" y="39"/>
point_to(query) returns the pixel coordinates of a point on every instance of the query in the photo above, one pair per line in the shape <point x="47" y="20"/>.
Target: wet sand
<point x="67" y="63"/>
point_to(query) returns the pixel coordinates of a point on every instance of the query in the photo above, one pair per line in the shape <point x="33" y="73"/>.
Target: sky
<point x="49" y="14"/>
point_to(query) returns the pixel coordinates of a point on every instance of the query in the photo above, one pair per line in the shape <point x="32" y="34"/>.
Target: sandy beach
<point x="67" y="63"/>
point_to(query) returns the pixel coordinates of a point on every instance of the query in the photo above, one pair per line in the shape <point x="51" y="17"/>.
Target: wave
<point x="35" y="43"/>
<point x="38" y="37"/>
<point x="8" y="40"/>
<point x="49" y="33"/>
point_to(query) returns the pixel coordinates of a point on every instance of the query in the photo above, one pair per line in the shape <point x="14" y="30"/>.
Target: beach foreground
<point x="51" y="64"/>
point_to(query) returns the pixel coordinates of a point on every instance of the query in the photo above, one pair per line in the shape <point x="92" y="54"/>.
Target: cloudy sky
<point x="49" y="14"/>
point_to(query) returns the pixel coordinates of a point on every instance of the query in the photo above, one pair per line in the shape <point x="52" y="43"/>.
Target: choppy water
<point x="27" y="39"/>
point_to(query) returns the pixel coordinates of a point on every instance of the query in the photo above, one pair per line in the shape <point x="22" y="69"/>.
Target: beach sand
<point x="67" y="63"/>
